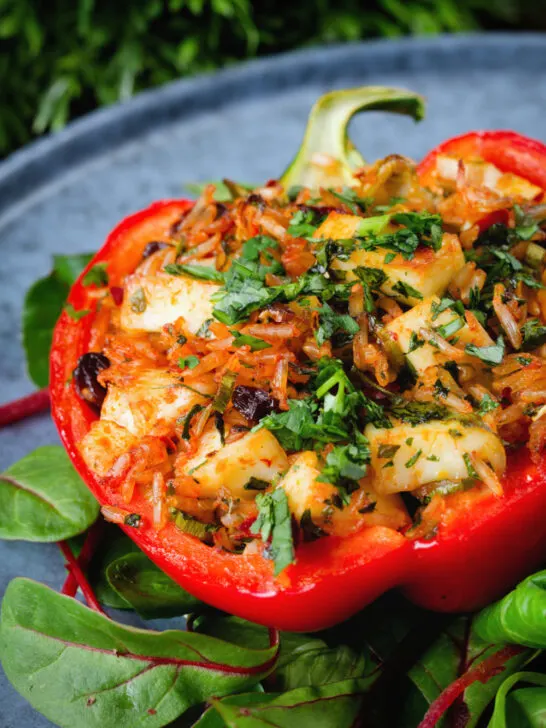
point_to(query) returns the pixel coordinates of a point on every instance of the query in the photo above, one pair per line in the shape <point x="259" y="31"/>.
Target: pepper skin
<point x="483" y="548"/>
<point x="507" y="150"/>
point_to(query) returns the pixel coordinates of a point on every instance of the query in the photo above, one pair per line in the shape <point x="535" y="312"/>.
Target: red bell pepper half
<point x="485" y="547"/>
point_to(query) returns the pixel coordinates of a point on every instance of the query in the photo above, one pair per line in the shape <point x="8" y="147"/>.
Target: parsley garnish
<point x="404" y="289"/>
<point x="199" y="272"/>
<point x="387" y="451"/>
<point x="188" y="362"/>
<point x="534" y="334"/>
<point x="97" y="275"/>
<point x="489" y="354"/>
<point x="413" y="459"/>
<point x="332" y="322"/>
<point x="247" y="340"/>
<point x="372" y="279"/>
<point x="274" y="524"/>
<point x="74" y="314"/>
<point x="487" y="404"/>
<point x="417" y="413"/>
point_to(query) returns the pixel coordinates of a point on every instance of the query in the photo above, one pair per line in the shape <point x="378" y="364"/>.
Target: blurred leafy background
<point x="62" y="58"/>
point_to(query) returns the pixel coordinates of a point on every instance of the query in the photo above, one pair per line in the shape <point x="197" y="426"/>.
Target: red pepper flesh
<point x="469" y="562"/>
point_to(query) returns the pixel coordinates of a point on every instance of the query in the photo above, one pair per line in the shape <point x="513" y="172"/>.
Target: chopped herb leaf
<point x="247" y="340"/>
<point x="534" y="334"/>
<point x="304" y="224"/>
<point x="256" y="484"/>
<point x="444" y="304"/>
<point x="186" y="420"/>
<point x="387" y="451"/>
<point x="74" y="314"/>
<point x="413" y="459"/>
<point x="404" y="289"/>
<point x="469" y="467"/>
<point x="414" y="342"/>
<point x="489" y="354"/>
<point x="96" y="275"/>
<point x="487" y="404"/>
<point x="332" y="322"/>
<point x="133" y="520"/>
<point x="372" y="279"/>
<point x="311" y="532"/>
<point x="188" y="362"/>
<point x="199" y="272"/>
<point x="138" y="301"/>
<point x="450" y="328"/>
<point x="417" y="413"/>
<point x="433" y="458"/>
<point x="225" y="390"/>
<point x="274" y="523"/>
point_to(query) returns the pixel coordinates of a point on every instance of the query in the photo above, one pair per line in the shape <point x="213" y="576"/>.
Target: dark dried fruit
<point x="85" y="378"/>
<point x="153" y="247"/>
<point x="252" y="403"/>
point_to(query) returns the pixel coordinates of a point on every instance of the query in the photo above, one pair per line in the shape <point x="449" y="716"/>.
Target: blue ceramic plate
<point x="63" y="194"/>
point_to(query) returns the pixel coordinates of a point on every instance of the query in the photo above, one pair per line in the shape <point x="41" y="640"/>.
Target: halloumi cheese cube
<point x="149" y="402"/>
<point x="398" y="335"/>
<point x="367" y="507"/>
<point x="404" y="458"/>
<point x="103" y="445"/>
<point x="303" y="490"/>
<point x="227" y="469"/>
<point x="151" y="301"/>
<point x="428" y="272"/>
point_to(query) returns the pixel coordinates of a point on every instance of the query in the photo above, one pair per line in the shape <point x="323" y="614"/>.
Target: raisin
<point x="252" y="403"/>
<point x="85" y="378"/>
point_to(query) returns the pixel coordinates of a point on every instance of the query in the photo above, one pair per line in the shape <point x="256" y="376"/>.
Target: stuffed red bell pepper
<point x="309" y="393"/>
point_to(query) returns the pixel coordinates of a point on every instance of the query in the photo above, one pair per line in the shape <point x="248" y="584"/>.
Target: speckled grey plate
<point x="63" y="194"/>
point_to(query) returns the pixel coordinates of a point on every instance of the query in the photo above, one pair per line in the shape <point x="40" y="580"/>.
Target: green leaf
<point x="304" y="659"/>
<point x="326" y="133"/>
<point x="188" y="362"/>
<point x="331" y="706"/>
<point x="534" y="334"/>
<point x="274" y="523"/>
<point x="457" y="648"/>
<point x="519" y="616"/>
<point x="97" y="275"/>
<point x="489" y="354"/>
<point x="148" y="590"/>
<point x="42" y="498"/>
<point x="42" y="307"/>
<point x="199" y="272"/>
<point x="74" y="313"/>
<point x="247" y="340"/>
<point x="79" y="668"/>
<point x="524" y="708"/>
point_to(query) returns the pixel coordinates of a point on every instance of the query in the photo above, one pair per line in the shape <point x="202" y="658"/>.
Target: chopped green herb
<point x="450" y="328"/>
<point x="404" y="289"/>
<point x="304" y="224"/>
<point x="188" y="362"/>
<point x="133" y="520"/>
<point x="440" y="390"/>
<point x="74" y="314"/>
<point x="187" y="419"/>
<point x="332" y="322"/>
<point x="487" y="404"/>
<point x="455" y="433"/>
<point x="256" y="484"/>
<point x="387" y="451"/>
<point x="349" y="197"/>
<point x="489" y="354"/>
<point x="445" y="304"/>
<point x="274" y="524"/>
<point x="389" y="258"/>
<point x="372" y="279"/>
<point x="414" y="342"/>
<point x="413" y="459"/>
<point x="225" y="390"/>
<point x="469" y="467"/>
<point x="247" y="340"/>
<point x="203" y="331"/>
<point x="417" y="413"/>
<point x="138" y="301"/>
<point x="433" y="458"/>
<point x="534" y="334"/>
<point x="96" y="275"/>
<point x="199" y="272"/>
<point x="311" y="532"/>
<point x="524" y="360"/>
<point x="188" y="524"/>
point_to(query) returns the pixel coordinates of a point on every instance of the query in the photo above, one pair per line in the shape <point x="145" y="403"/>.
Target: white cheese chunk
<point x="104" y="443"/>
<point x="149" y="402"/>
<point x="428" y="272"/>
<point x="229" y="468"/>
<point x="430" y="452"/>
<point x="151" y="301"/>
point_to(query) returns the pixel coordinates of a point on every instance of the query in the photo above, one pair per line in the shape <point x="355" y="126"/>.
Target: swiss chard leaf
<point x="525" y="707"/>
<point x="42" y="498"/>
<point x="78" y="668"/>
<point x="519" y="616"/>
<point x="42" y="307"/>
<point x="336" y="704"/>
<point x="303" y="659"/>
<point x="147" y="589"/>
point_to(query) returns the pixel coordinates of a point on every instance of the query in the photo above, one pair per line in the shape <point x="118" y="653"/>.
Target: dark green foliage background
<point x="62" y="58"/>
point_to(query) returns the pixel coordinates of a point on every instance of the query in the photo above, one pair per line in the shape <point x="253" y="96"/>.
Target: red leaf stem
<point x="92" y="540"/>
<point x="26" y="406"/>
<point x="80" y="577"/>
<point x="483" y="672"/>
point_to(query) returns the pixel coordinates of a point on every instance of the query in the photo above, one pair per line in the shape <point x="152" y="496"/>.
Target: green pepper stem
<point x="327" y="157"/>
